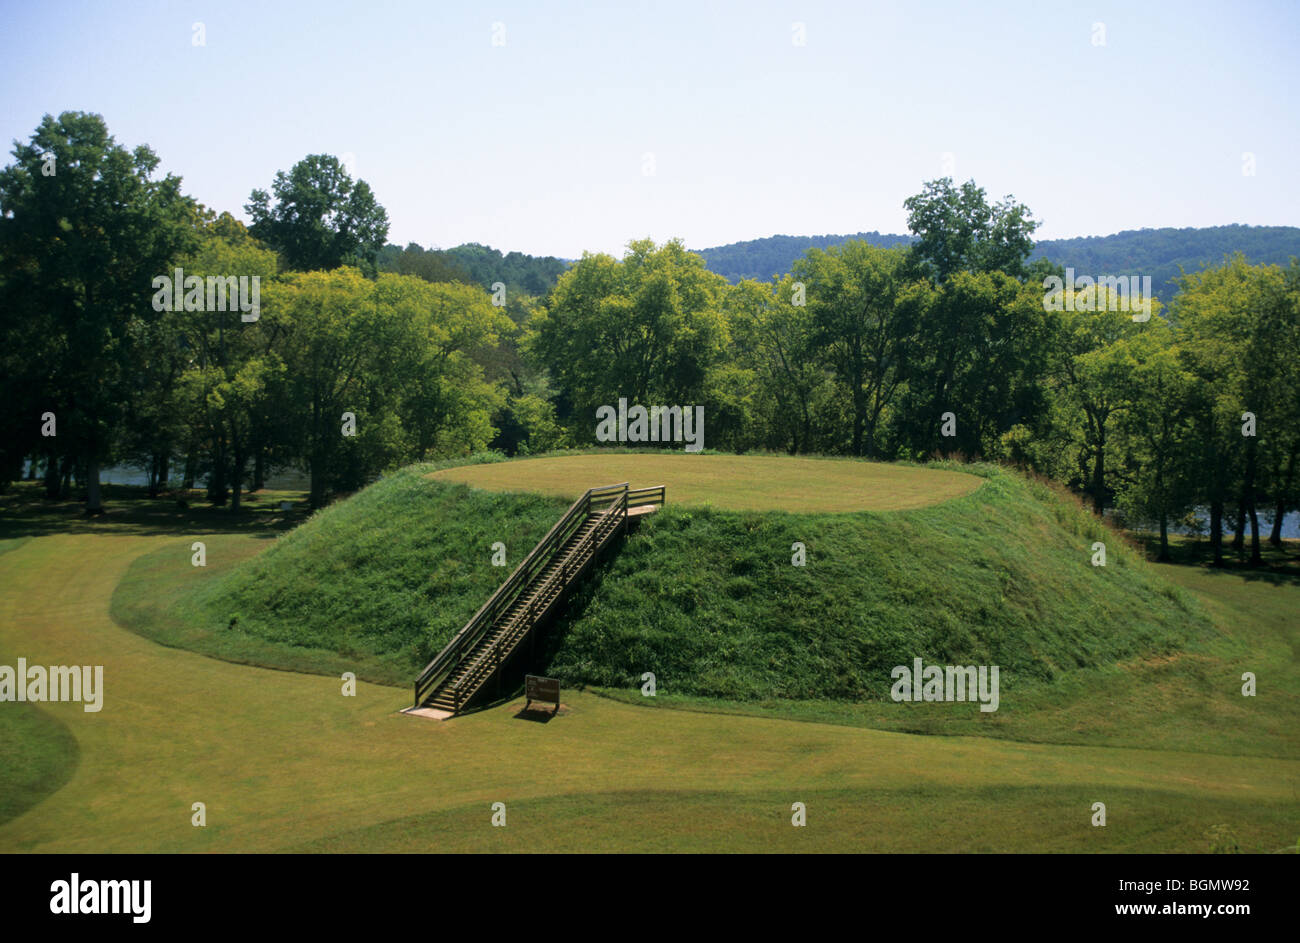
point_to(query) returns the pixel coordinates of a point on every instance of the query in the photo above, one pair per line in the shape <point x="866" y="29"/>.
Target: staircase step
<point x="511" y="626"/>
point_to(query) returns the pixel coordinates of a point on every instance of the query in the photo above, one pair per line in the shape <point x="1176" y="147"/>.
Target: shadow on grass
<point x="129" y="511"/>
<point x="536" y="716"/>
<point x="40" y="756"/>
<point x="1280" y="565"/>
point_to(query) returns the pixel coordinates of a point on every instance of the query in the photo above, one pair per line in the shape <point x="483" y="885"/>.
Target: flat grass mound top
<point x="729" y="482"/>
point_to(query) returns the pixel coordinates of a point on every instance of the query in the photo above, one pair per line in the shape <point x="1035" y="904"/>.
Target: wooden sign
<point x="537" y="688"/>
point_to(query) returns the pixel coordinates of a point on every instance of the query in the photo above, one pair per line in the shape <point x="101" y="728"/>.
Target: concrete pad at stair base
<point x="430" y="712"/>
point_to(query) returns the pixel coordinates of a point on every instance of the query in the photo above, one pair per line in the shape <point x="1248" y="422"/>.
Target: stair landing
<point x="433" y="713"/>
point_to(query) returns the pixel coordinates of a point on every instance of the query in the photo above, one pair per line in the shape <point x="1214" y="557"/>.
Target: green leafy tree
<point x="1270" y="379"/>
<point x="318" y="217"/>
<point x="983" y="344"/>
<point x="526" y="422"/>
<point x="1158" y="426"/>
<point x="773" y="332"/>
<point x="648" y="327"/>
<point x="958" y="230"/>
<point x="1099" y="372"/>
<point x="1214" y="312"/>
<point x="331" y="330"/>
<point x="84" y="228"/>
<point x="231" y="384"/>
<point x="446" y="400"/>
<point x="863" y="313"/>
<point x="395" y="353"/>
<point x="1284" y="437"/>
<point x="983" y="341"/>
<point x="1239" y="328"/>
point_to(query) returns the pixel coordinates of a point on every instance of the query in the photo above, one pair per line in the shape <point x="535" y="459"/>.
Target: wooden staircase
<point x="530" y="596"/>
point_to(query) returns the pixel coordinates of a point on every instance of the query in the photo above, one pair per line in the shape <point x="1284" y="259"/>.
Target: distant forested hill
<point x="474" y="264"/>
<point x="763" y="258"/>
<point x="1154" y="252"/>
<point x="1160" y="252"/>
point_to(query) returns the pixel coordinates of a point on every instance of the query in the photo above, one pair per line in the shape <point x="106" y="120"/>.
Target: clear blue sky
<point x="538" y="145"/>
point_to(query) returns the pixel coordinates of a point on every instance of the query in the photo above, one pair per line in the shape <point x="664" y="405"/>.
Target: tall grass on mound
<point x="384" y="578"/>
<point x="710" y="602"/>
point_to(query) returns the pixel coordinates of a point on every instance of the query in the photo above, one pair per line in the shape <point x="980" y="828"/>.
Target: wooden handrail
<point x="463" y="641"/>
<point x="449" y="657"/>
<point x="657" y="494"/>
<point x="584" y="552"/>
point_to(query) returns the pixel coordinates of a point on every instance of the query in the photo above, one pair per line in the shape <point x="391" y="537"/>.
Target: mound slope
<point x="375" y="584"/>
<point x="707" y="598"/>
<point x="710" y="602"/>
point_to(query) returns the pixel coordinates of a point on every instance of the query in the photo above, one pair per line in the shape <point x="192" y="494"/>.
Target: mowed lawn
<point x="729" y="482"/>
<point x="284" y="762"/>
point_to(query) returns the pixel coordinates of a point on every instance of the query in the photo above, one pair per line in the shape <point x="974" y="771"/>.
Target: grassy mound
<point x="707" y="599"/>
<point x="373" y="585"/>
<point x="710" y="602"/>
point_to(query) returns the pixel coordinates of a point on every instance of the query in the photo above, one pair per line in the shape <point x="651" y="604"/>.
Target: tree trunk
<point x="1099" y="473"/>
<point x="1275" y="536"/>
<point x="317" y="483"/>
<point x="1255" y="557"/>
<point x="1216" y="530"/>
<point x="52" y="477"/>
<point x="1239" y="535"/>
<point x="1163" y="556"/>
<point x="94" y="500"/>
<point x="1248" y="504"/>
<point x="237" y="482"/>
<point x="218" y="493"/>
<point x="317" y="459"/>
<point x="259" y="469"/>
<point x="859" y="420"/>
<point x="158" y="474"/>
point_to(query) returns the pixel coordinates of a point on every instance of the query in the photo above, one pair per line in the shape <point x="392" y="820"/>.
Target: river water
<point x="280" y="479"/>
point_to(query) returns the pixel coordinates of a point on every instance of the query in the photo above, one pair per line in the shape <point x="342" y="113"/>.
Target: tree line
<point x="364" y="357"/>
<point x="343" y="370"/>
<point x="951" y="347"/>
